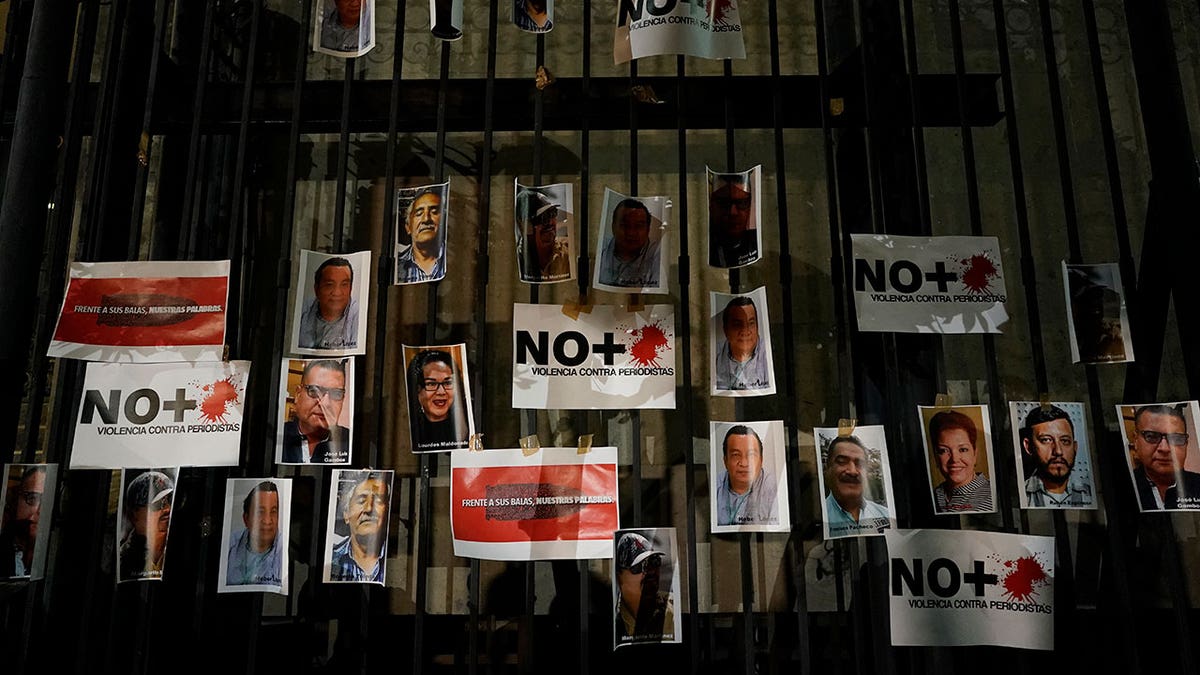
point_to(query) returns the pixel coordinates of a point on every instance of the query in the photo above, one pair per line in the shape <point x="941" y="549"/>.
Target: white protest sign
<point x="710" y="29"/>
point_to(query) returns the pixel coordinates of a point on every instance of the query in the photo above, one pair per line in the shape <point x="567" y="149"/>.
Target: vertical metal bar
<point x="995" y="396"/>
<point x="914" y="95"/>
<point x="188" y="220"/>
<point x="684" y="338"/>
<point x="237" y="213"/>
<point x="481" y="299"/>
<point x="143" y="170"/>
<point x="581" y="268"/>
<point x="878" y="212"/>
<point x="634" y="415"/>
<point x="1098" y="409"/>
<point x="429" y="463"/>
<point x="287" y="229"/>
<point x="339" y="209"/>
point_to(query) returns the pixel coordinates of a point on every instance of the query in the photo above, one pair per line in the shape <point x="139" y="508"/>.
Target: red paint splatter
<point x="978" y="272"/>
<point x="220" y="394"/>
<point x="1023" y="578"/>
<point x="649" y="341"/>
<point x="718" y="10"/>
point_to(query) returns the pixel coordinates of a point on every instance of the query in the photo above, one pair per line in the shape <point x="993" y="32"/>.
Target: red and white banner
<point x="956" y="588"/>
<point x="143" y="312"/>
<point x="553" y="504"/>
<point x="156" y="414"/>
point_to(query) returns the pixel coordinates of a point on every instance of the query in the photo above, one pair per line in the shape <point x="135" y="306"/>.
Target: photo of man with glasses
<point x="542" y="216"/>
<point x="439" y="398"/>
<point x="314" y="413"/>
<point x="25" y="489"/>
<point x="733" y="210"/>
<point x="1162" y="441"/>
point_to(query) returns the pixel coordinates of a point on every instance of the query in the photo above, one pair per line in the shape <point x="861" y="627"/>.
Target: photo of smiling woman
<point x="439" y="398"/>
<point x="960" y="458"/>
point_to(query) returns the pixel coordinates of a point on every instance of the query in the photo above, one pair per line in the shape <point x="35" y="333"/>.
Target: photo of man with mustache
<point x="849" y="511"/>
<point x="1051" y="453"/>
<point x="423" y="258"/>
<point x="146" y="519"/>
<point x="358" y="522"/>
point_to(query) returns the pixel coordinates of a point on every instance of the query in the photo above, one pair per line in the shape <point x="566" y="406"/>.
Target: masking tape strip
<point x="585" y="444"/>
<point x="530" y="445"/>
<point x="846" y="426"/>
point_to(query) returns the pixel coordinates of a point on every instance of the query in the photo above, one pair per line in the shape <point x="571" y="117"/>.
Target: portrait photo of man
<point x="748" y="477"/>
<point x="27" y="499"/>
<point x="645" y="586"/>
<point x="959" y="442"/>
<point x="1099" y="323"/>
<point x="542" y="216"/>
<point x="734" y="237"/>
<point x="1051" y="447"/>
<point x="316" y="402"/>
<point x="533" y="16"/>
<point x="359" y="508"/>
<point x="1164" y="462"/>
<point x="421" y="233"/>
<point x="147" y="497"/>
<point x="255" y="537"/>
<point x="329" y="317"/>
<point x="740" y="344"/>
<point x="344" y="28"/>
<point x="855" y="480"/>
<point x="631" y="238"/>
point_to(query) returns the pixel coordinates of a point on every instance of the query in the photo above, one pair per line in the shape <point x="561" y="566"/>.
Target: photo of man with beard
<point x="359" y="507"/>
<point x="542" y="218"/>
<point x="145" y="510"/>
<point x="421" y="234"/>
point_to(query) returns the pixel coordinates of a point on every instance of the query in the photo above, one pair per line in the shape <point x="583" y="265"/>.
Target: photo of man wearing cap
<point x="645" y="585"/>
<point x="542" y="216"/>
<point x="145" y="509"/>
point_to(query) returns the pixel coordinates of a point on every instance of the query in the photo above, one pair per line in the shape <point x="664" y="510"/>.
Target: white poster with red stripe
<point x="143" y="312"/>
<point x="552" y="504"/>
<point x="956" y="588"/>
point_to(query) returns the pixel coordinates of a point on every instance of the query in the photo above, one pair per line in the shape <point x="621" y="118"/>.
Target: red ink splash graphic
<point x="649" y="341"/>
<point x="1023" y="577"/>
<point x="719" y="9"/>
<point x="978" y="272"/>
<point x="220" y="394"/>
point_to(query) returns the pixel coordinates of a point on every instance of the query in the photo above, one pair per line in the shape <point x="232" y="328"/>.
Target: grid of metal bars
<point x="876" y="176"/>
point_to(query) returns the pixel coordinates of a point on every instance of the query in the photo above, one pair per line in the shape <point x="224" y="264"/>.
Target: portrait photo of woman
<point x="959" y="444"/>
<point x="439" y="398"/>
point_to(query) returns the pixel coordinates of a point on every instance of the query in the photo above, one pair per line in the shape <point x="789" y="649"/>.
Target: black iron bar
<point x="188" y="219"/>
<point x="144" y="153"/>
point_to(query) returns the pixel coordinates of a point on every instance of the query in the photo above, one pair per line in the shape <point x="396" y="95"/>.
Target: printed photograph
<point x="1164" y="461"/>
<point x="422" y="217"/>
<point x="27" y="496"/>
<point x="748" y="477"/>
<point x="631" y="244"/>
<point x="144" y="508"/>
<point x="344" y="28"/>
<point x="734" y="215"/>
<point x="357" y="527"/>
<point x="316" y="409"/>
<point x="1099" y="325"/>
<point x="533" y="16"/>
<point x="645" y="579"/>
<point x="958" y="441"/>
<point x="856" y="481"/>
<point x="439" y="398"/>
<point x="740" y="344"/>
<point x="329" y="317"/>
<point x="544" y="220"/>
<point x="255" y="537"/>
<point x="1050" y="444"/>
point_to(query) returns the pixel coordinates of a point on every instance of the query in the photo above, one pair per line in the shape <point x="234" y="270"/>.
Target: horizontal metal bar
<point x="607" y="98"/>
